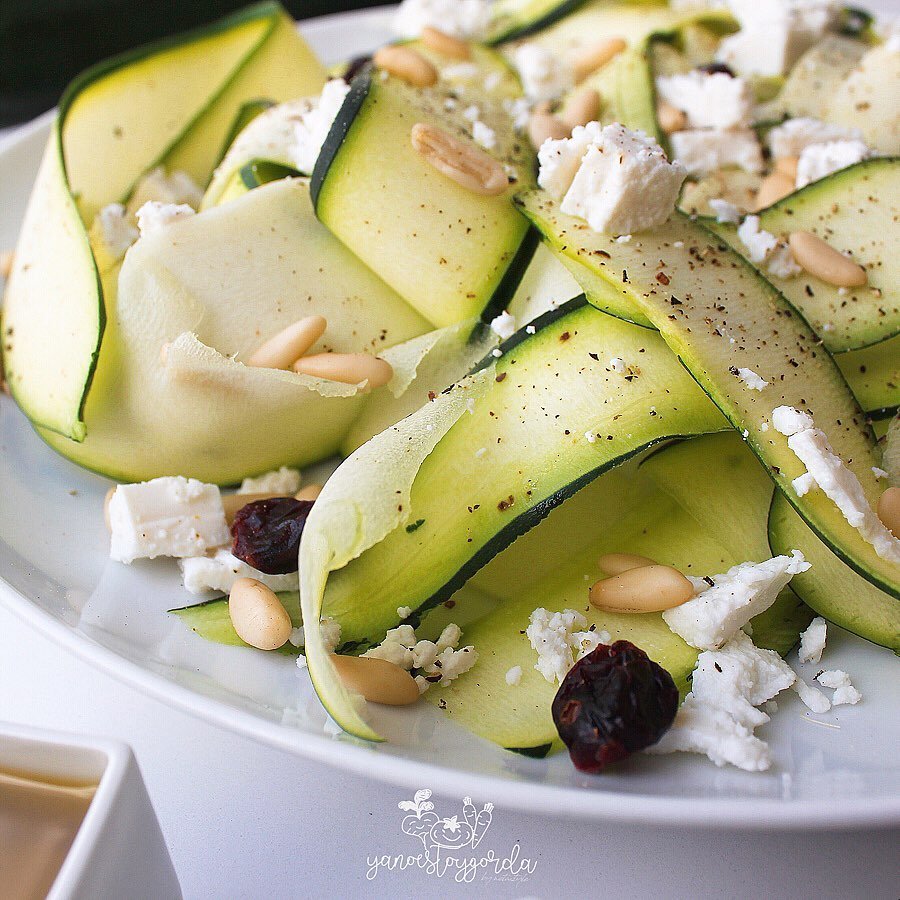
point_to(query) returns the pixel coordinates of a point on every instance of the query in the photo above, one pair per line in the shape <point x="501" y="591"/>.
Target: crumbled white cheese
<point x="812" y="641"/>
<point x="617" y="180"/>
<point x="725" y="211"/>
<point x="404" y="611"/>
<point x="812" y="697"/>
<point x="544" y="75"/>
<point x="472" y="113"/>
<point x="560" y="640"/>
<point x="459" y="18"/>
<point x="514" y="676"/>
<point x="753" y="380"/>
<point x="719" y="715"/>
<point x="820" y="160"/>
<point x="176" y="187"/>
<point x="590" y="437"/>
<point x="519" y="110"/>
<point x="220" y="571"/>
<point x="484" y="135"/>
<point x="623" y="238"/>
<point x="171" y="516"/>
<point x="313" y="124"/>
<point x="759" y="243"/>
<point x="829" y="473"/>
<point x="709" y="99"/>
<point x="460" y="73"/>
<point x="703" y="150"/>
<point x="844" y="692"/>
<point x="791" y="138"/>
<point x="781" y="262"/>
<point x="879" y="473"/>
<point x="504" y="325"/>
<point x="718" y="611"/>
<point x="154" y="216"/>
<point x="617" y="364"/>
<point x="117" y="231"/>
<point x="330" y="631"/>
<point x="281" y="481"/>
<point x="530" y="329"/>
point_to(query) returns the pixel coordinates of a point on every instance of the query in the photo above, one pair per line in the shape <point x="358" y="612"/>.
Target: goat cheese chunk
<point x="812" y="697"/>
<point x="701" y="150"/>
<point x="719" y="611"/>
<point x="621" y="181"/>
<point x="313" y="126"/>
<point x="759" y="243"/>
<point x="795" y="135"/>
<point x="709" y="99"/>
<point x="219" y="572"/>
<point x="827" y="471"/>
<point x="812" y="641"/>
<point x="171" y="516"/>
<point x="839" y="681"/>
<point x="725" y="211"/>
<point x="543" y="74"/>
<point x="720" y="713"/>
<point x="176" y="187"/>
<point x="484" y="135"/>
<point x="820" y="160"/>
<point x="154" y="216"/>
<point x="116" y="230"/>
<point x="459" y="18"/>
<point x="281" y="481"/>
<point x="504" y="325"/>
<point x="331" y="636"/>
<point x="560" y="640"/>
<point x="751" y="379"/>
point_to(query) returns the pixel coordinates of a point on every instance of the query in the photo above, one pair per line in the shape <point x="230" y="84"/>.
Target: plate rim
<point x="575" y="803"/>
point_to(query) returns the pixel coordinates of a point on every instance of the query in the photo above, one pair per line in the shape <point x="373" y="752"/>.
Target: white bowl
<point x="119" y="849"/>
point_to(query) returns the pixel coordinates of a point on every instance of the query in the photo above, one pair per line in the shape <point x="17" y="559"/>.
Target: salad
<point x="587" y="310"/>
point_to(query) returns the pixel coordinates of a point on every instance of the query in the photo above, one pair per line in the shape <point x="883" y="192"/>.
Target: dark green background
<point x="45" y="43"/>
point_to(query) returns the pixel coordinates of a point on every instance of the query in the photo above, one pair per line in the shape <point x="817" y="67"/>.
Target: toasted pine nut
<point x="646" y="589"/>
<point x="286" y="347"/>
<point x="310" y="492"/>
<point x="773" y="188"/>
<point x="582" y="107"/>
<point x="889" y="510"/>
<point x="445" y="44"/>
<point x="822" y="261"/>
<point x="377" y="680"/>
<point x="348" y="368"/>
<point x="106" y="499"/>
<point x="617" y="563"/>
<point x="257" y="615"/>
<point x="787" y="165"/>
<point x="468" y="166"/>
<point x="7" y="259"/>
<point x="593" y="57"/>
<point x="545" y="126"/>
<point x="406" y="63"/>
<point x="670" y="117"/>
<point x="231" y="503"/>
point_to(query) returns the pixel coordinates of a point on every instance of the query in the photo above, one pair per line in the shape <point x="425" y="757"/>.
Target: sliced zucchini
<point x="486" y="74"/>
<point x="451" y="253"/>
<point x="855" y="210"/>
<point x="253" y="175"/>
<point x="245" y="115"/>
<point x="514" y="19"/>
<point x="718" y="314"/>
<point x="873" y="374"/>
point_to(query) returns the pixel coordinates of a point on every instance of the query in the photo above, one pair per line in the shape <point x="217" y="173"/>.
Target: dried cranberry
<point x="613" y="702"/>
<point x="267" y="533"/>
<point x="717" y="68"/>
<point x="355" y="66"/>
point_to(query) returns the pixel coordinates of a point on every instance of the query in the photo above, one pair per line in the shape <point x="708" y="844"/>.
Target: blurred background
<point x="45" y="43"/>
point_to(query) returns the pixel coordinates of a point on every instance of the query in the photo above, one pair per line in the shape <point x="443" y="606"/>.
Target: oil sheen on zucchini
<point x="718" y="314"/>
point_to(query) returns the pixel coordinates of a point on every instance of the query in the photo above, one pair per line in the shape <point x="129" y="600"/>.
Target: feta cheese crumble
<point x="759" y="243"/>
<point x="484" y="135"/>
<point x="314" y="123"/>
<point x="560" y="640"/>
<point x="171" y="516"/>
<point x="720" y="713"/>
<point x="719" y="611"/>
<point x="751" y="379"/>
<point x="701" y="151"/>
<point x="504" y="325"/>
<point x="812" y="697"/>
<point x="176" y="187"/>
<point x="617" y="180"/>
<point x="839" y="681"/>
<point x="812" y="641"/>
<point x="281" y="481"/>
<point x="514" y="676"/>
<point x="459" y="18"/>
<point x="544" y="75"/>
<point x="781" y="262"/>
<point x="791" y="138"/>
<point x="827" y="471"/>
<point x="725" y="211"/>
<point x="709" y="99"/>
<point x="116" y="230"/>
<point x="220" y="571"/>
<point x="154" y="216"/>
<point x="404" y="611"/>
<point x="820" y="160"/>
<point x="330" y="631"/>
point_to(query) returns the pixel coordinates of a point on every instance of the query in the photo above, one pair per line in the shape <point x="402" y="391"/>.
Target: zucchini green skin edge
<point x="695" y="327"/>
<point x="514" y="25"/>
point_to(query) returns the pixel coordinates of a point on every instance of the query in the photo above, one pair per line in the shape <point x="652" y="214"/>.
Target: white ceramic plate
<point x="836" y="770"/>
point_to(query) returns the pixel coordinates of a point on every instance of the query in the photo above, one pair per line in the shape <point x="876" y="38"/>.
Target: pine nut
<point x="7" y="260"/>
<point x="670" y="117"/>
<point x="445" y="44"/>
<point x="617" y="563"/>
<point x="258" y="615"/>
<point x="889" y="510"/>
<point x="646" y="589"/>
<point x="787" y="165"/>
<point x="347" y="368"/>
<point x="406" y="63"/>
<point x="310" y="492"/>
<point x="231" y="503"/>
<point x="822" y="261"/>
<point x="377" y="680"/>
<point x="468" y="166"/>
<point x="286" y="347"/>
<point x="773" y="188"/>
<point x="106" y="499"/>
<point x="544" y="127"/>
<point x="582" y="107"/>
<point x="592" y="58"/>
